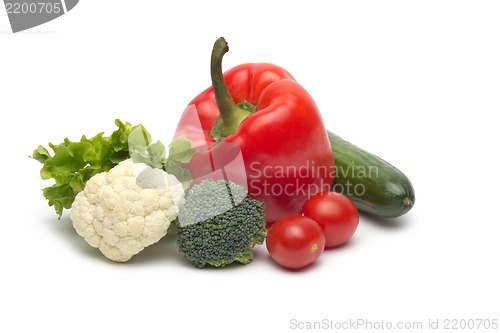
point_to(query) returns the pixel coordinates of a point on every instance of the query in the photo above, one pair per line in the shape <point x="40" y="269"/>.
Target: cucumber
<point x="375" y="186"/>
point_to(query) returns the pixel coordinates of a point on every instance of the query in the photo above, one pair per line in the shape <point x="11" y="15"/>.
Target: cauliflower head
<point x="126" y="209"/>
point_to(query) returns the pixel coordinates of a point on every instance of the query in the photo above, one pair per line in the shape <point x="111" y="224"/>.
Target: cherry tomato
<point x="295" y="241"/>
<point x="335" y="213"/>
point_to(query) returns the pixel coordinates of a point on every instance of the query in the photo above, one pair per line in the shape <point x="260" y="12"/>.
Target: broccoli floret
<point x="219" y="224"/>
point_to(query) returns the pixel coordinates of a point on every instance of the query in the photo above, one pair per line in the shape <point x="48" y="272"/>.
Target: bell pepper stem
<point x="231" y="114"/>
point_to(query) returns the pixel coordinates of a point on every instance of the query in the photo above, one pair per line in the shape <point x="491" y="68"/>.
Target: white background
<point x="416" y="82"/>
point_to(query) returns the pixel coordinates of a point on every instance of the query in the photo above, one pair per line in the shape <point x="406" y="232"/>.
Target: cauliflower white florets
<point x="126" y="209"/>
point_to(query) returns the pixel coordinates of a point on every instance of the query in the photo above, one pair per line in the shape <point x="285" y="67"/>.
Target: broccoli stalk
<point x="219" y="224"/>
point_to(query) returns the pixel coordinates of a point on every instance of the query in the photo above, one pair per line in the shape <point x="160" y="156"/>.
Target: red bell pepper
<point x="275" y="125"/>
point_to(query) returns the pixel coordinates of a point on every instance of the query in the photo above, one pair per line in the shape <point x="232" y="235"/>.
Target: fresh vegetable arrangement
<point x="251" y="162"/>
<point x="274" y="123"/>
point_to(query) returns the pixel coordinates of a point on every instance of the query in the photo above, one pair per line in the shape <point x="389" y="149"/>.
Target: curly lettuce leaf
<point x="180" y="152"/>
<point x="143" y="151"/>
<point x="72" y="164"/>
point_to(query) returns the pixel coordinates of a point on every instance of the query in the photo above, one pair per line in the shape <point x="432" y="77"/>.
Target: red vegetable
<point x="295" y="241"/>
<point x="257" y="117"/>
<point x="335" y="213"/>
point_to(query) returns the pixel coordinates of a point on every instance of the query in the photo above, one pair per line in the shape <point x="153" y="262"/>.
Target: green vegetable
<point x="74" y="163"/>
<point x="219" y="224"/>
<point x="181" y="151"/>
<point x="375" y="186"/>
